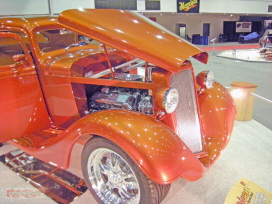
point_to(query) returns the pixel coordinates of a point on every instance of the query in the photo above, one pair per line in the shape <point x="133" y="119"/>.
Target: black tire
<point x="138" y="190"/>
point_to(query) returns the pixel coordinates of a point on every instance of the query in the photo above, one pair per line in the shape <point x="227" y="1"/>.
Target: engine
<point x="121" y="98"/>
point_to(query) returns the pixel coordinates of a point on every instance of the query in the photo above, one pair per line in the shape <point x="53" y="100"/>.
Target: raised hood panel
<point x="134" y="33"/>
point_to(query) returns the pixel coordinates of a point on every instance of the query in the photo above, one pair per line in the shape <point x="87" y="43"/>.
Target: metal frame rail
<point x="256" y="96"/>
<point x="260" y="97"/>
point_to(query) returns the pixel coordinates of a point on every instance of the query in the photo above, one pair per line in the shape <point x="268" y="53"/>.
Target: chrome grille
<point x="187" y="127"/>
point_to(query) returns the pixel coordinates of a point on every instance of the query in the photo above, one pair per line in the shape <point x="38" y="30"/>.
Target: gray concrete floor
<point x="259" y="73"/>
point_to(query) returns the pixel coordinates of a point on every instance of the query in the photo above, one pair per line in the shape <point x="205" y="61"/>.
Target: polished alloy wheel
<point x="112" y="178"/>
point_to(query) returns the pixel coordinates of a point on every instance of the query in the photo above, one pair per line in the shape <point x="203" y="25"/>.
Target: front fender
<point x="158" y="151"/>
<point x="217" y="111"/>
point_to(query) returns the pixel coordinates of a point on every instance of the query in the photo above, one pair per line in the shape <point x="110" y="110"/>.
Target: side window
<point x="8" y="48"/>
<point x="15" y="58"/>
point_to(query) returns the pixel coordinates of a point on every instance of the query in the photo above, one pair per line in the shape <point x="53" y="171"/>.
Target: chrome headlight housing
<point x="170" y="100"/>
<point x="167" y="99"/>
<point x="205" y="79"/>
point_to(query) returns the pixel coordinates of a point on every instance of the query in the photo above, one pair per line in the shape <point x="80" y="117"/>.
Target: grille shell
<point x="187" y="120"/>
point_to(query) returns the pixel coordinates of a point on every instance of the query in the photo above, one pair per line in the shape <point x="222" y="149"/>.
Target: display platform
<point x="61" y="186"/>
<point x="251" y="55"/>
<point x="248" y="155"/>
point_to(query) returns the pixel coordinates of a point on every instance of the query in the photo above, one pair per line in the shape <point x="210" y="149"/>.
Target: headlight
<point x="205" y="79"/>
<point x="170" y="100"/>
<point x="167" y="99"/>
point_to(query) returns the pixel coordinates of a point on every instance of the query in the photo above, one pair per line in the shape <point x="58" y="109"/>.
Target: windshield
<point x="61" y="39"/>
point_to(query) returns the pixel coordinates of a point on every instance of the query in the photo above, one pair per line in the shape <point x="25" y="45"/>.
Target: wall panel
<point x="24" y="7"/>
<point x="60" y="5"/>
<point x="234" y="6"/>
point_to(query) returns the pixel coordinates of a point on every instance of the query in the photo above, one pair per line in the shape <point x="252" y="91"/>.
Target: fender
<point x="217" y="110"/>
<point x="158" y="151"/>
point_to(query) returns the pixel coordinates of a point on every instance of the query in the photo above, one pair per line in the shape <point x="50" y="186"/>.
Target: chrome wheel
<point x="112" y="178"/>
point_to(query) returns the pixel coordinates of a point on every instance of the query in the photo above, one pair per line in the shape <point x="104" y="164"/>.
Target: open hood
<point x="132" y="33"/>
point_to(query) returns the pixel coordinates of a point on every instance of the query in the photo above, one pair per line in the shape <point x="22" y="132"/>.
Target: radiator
<point x="187" y="121"/>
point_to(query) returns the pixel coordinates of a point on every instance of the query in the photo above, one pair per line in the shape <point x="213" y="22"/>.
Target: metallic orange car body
<point x="43" y="105"/>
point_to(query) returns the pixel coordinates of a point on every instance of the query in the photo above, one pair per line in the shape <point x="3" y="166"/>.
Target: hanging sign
<point x="243" y="27"/>
<point x="188" y="6"/>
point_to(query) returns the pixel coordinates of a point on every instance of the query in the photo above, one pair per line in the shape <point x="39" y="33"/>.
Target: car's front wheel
<point x="112" y="177"/>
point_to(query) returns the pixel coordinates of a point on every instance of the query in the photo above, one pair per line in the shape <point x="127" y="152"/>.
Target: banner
<point x="243" y="27"/>
<point x="188" y="6"/>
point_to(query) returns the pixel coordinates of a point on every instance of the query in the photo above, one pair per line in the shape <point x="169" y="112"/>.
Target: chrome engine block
<point x="121" y="98"/>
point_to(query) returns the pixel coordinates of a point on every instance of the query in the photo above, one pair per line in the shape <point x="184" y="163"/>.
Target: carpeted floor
<point x="247" y="155"/>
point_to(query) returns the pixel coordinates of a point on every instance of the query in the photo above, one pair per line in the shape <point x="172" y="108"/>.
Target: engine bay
<point x="107" y="97"/>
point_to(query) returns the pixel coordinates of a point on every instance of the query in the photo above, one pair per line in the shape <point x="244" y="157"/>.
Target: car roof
<point x="27" y="23"/>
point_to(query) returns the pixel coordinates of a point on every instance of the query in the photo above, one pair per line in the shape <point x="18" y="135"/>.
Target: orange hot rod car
<point x="124" y="83"/>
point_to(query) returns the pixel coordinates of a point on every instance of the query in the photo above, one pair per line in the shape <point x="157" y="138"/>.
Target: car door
<point x="22" y="108"/>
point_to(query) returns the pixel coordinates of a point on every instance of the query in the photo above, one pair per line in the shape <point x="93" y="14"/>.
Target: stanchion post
<point x="213" y="45"/>
<point x="243" y="100"/>
<point x="213" y="48"/>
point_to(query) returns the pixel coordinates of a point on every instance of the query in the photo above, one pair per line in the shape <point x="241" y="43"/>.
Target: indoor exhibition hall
<point x="135" y="101"/>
